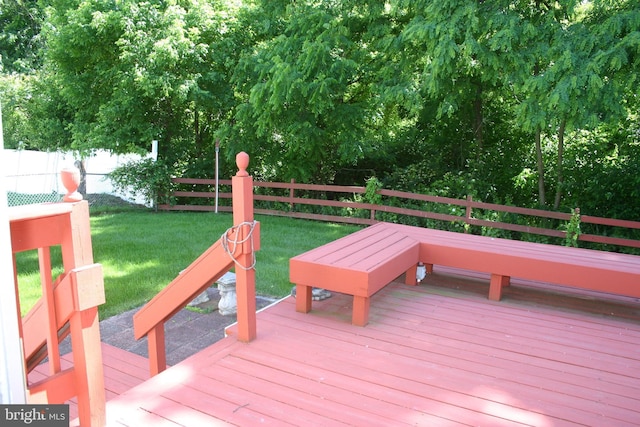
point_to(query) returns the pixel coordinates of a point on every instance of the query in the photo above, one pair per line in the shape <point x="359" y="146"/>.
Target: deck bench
<point x="359" y="264"/>
<point x="503" y="259"/>
<point x="364" y="262"/>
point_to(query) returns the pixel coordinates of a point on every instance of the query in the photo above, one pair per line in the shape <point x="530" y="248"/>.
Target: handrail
<point x="461" y="211"/>
<point x="68" y="306"/>
<point x="218" y="259"/>
<point x="149" y="321"/>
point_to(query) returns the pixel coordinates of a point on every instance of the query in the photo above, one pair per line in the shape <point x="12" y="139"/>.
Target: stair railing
<point x="68" y="306"/>
<point x="236" y="248"/>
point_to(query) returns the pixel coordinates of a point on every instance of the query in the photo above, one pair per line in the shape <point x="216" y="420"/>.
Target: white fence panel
<point x="37" y="173"/>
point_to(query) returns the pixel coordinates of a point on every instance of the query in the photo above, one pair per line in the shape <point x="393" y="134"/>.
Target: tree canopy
<point x="506" y="101"/>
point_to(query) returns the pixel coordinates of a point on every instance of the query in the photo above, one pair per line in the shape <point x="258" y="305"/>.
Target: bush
<point x="147" y="177"/>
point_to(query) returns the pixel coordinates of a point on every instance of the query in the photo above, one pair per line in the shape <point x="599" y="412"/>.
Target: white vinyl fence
<point x="34" y="176"/>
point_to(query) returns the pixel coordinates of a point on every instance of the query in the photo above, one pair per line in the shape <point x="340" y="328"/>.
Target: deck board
<point x="122" y="371"/>
<point x="438" y="354"/>
<point x="443" y="373"/>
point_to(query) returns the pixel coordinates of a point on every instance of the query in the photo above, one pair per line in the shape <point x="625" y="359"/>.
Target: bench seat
<point x="359" y="264"/>
<point x="502" y="258"/>
<point x="364" y="262"/>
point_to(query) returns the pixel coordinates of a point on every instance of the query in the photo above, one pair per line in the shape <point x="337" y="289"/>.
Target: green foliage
<point x="133" y="72"/>
<point x="573" y="229"/>
<point x="305" y="102"/>
<point x="20" y="40"/>
<point x="442" y="97"/>
<point x="146" y="177"/>
<point x="15" y="116"/>
<point x="371" y="194"/>
<point x="603" y="169"/>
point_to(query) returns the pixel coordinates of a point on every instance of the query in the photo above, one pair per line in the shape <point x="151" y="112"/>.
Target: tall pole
<point x="154" y="156"/>
<point x="217" y="170"/>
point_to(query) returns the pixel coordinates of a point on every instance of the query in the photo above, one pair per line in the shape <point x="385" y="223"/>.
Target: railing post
<point x="74" y="298"/>
<point x="84" y="325"/>
<point x="77" y="251"/>
<point x="467" y="214"/>
<point x="242" y="194"/>
<point x="291" y="194"/>
<point x="70" y="178"/>
<point x="157" y="350"/>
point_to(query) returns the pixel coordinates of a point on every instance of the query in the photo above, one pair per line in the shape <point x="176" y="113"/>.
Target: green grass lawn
<point x="142" y="251"/>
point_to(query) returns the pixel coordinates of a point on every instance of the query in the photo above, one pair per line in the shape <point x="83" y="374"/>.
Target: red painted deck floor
<point x="432" y="355"/>
<point x="122" y="371"/>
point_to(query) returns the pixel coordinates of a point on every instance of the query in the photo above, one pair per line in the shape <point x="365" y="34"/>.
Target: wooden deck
<point x="122" y="371"/>
<point x="436" y="354"/>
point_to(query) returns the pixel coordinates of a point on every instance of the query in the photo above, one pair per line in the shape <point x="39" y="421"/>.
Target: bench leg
<point x="410" y="276"/>
<point x="360" y="316"/>
<point x="495" y="287"/>
<point x="303" y="298"/>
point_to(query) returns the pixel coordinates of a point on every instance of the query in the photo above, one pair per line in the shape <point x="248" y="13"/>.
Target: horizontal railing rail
<point x="294" y="200"/>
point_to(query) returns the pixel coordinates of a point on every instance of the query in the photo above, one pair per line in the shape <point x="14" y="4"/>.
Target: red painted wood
<point x="468" y="205"/>
<point x="359" y="264"/>
<point x="362" y="263"/>
<point x="496" y="284"/>
<point x="68" y="306"/>
<point x="206" y="269"/>
<point x="437" y="354"/>
<point x="360" y="310"/>
<point x="303" y="298"/>
<point x="157" y="353"/>
<point x="122" y="371"/>
<point x="582" y="268"/>
<point x="407" y="349"/>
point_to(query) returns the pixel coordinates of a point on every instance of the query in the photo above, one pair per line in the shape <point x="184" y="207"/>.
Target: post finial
<point x="242" y="161"/>
<point x="71" y="180"/>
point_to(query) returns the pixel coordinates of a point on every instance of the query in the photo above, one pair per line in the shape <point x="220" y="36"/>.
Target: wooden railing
<point x="68" y="306"/>
<point x="236" y="248"/>
<point x="464" y="213"/>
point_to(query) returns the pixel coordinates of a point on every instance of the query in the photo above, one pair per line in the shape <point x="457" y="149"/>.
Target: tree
<point x="452" y="97"/>
<point x="133" y="72"/>
<point x="452" y="57"/>
<point x="578" y="78"/>
<point x="306" y="104"/>
<point x="20" y="41"/>
<point x="13" y="99"/>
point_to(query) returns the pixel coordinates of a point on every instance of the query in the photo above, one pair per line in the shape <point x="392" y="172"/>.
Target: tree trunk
<point x="559" y="168"/>
<point x="82" y="188"/>
<point x="541" y="194"/>
<point x="478" y="118"/>
<point x="196" y="131"/>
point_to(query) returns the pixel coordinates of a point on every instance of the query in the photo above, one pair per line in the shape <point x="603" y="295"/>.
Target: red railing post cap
<point x="242" y="161"/>
<point x="70" y="177"/>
